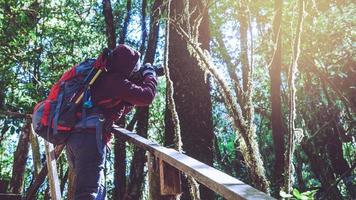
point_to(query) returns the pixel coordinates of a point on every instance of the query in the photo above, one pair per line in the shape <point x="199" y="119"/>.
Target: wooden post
<point x="52" y="172"/>
<point x="153" y="177"/>
<point x="155" y="169"/>
<point x="170" y="181"/>
<point x="36" y="156"/>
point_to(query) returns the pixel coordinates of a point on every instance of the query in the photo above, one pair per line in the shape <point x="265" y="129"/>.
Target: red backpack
<point x="68" y="102"/>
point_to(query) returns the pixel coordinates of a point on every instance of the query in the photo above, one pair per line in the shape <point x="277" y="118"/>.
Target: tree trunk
<point x="248" y="145"/>
<point x="231" y="68"/>
<point x="110" y="25"/>
<point x="143" y="26"/>
<point x="315" y="146"/>
<point x="137" y="175"/>
<point x="47" y="196"/>
<point x="20" y="158"/>
<point x="276" y="114"/>
<point x="119" y="146"/>
<point x="299" y="172"/>
<point x="324" y="174"/>
<point x="5" y="127"/>
<point x="126" y="23"/>
<point x="338" y="162"/>
<point x="119" y="169"/>
<point x="243" y="21"/>
<point x="191" y="92"/>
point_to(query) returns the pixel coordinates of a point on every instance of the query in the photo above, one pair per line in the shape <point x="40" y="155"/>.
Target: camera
<point x="137" y="76"/>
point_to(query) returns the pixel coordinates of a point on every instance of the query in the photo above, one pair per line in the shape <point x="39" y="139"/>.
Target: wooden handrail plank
<point x="227" y="186"/>
<point x="4" y="196"/>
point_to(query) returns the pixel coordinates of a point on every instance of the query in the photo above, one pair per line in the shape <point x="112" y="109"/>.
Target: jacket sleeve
<point x="139" y="94"/>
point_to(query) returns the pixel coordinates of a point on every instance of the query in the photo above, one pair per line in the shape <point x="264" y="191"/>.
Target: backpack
<point x="69" y="107"/>
<point x="68" y="104"/>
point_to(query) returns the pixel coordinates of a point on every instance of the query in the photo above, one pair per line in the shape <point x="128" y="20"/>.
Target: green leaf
<point x="310" y="193"/>
<point x="298" y="195"/>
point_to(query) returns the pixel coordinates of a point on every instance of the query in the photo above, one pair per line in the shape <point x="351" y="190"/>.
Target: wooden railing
<point x="170" y="164"/>
<point x="227" y="186"/>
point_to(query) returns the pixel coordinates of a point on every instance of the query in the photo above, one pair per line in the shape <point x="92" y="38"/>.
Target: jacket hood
<point x="123" y="60"/>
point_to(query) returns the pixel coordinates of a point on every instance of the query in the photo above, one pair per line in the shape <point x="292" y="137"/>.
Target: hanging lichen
<point x="293" y="132"/>
<point x="170" y="90"/>
<point x="242" y="125"/>
<point x="193" y="184"/>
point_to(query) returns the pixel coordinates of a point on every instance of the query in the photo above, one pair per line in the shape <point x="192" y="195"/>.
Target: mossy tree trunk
<point x="191" y="91"/>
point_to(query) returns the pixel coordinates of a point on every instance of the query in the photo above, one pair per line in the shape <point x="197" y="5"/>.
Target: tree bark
<point x="143" y="26"/>
<point x="191" y="92"/>
<point x="335" y="154"/>
<point x="315" y="146"/>
<point x="137" y="175"/>
<point x="243" y="21"/>
<point x="231" y="68"/>
<point x="298" y="170"/>
<point x="324" y="174"/>
<point x="4" y="129"/>
<point x="126" y="23"/>
<point x="276" y="114"/>
<point x="119" y="169"/>
<point x="110" y="25"/>
<point x="119" y="146"/>
<point x="20" y="158"/>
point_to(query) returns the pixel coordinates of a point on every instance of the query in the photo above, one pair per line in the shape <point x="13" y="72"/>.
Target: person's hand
<point x="148" y="70"/>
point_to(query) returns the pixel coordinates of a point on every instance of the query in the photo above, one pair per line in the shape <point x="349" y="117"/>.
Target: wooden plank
<point x="7" y="196"/>
<point x="39" y="179"/>
<point x="227" y="186"/>
<point x="52" y="172"/>
<point x="170" y="181"/>
<point x="154" y="179"/>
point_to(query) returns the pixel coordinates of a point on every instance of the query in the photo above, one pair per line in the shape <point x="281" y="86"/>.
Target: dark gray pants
<point x="88" y="165"/>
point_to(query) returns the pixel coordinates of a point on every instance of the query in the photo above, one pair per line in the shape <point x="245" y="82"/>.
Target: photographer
<point x="113" y="95"/>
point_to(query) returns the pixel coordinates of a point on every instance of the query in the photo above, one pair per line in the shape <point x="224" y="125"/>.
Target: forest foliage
<point x="40" y="39"/>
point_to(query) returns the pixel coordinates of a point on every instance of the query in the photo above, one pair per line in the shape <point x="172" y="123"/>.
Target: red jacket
<point x="115" y="93"/>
